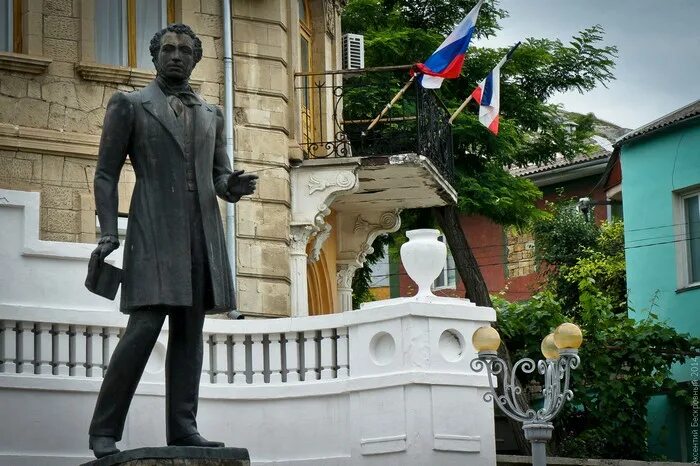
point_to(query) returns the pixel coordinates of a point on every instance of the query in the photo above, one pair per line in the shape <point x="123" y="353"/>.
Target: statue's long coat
<point x="157" y="264"/>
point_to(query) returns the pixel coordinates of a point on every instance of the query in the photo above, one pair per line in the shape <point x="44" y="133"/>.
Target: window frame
<point x="684" y="273"/>
<point x="444" y="277"/>
<point x="306" y="112"/>
<point x="131" y="29"/>
<point x="14" y="31"/>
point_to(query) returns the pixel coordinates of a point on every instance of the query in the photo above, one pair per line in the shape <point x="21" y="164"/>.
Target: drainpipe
<point x="228" y="122"/>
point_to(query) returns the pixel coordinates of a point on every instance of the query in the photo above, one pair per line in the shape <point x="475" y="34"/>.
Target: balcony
<point x="407" y="155"/>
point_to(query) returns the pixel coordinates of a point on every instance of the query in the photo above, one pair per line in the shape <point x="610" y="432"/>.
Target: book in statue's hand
<point x="102" y="278"/>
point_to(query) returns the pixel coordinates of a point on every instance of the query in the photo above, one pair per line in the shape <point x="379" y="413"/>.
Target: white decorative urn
<point x="423" y="257"/>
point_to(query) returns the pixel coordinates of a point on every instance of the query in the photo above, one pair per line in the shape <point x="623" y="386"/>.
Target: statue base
<point x="186" y="456"/>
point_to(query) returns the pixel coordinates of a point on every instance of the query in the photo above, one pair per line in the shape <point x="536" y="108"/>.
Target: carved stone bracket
<point x="356" y="233"/>
<point x="314" y="188"/>
<point x="358" y="230"/>
<point x="323" y="233"/>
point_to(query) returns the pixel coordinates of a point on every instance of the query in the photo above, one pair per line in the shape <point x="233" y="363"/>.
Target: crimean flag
<point x="447" y="60"/>
<point x="487" y="93"/>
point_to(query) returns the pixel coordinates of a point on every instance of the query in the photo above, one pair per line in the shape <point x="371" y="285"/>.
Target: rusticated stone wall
<point x="51" y="120"/>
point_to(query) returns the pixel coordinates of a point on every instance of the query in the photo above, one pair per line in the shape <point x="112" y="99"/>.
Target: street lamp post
<point x="560" y="350"/>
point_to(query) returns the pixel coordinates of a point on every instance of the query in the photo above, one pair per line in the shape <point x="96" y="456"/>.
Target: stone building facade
<point x="53" y="94"/>
<point x="63" y="60"/>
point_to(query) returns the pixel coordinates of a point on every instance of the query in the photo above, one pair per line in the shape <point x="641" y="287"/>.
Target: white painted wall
<point x="407" y="396"/>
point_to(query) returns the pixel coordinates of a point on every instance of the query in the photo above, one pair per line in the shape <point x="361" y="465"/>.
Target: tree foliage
<point x="532" y="130"/>
<point x="624" y="361"/>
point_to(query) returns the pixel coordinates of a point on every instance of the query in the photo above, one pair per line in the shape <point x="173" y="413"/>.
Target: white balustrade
<point x="25" y="346"/>
<point x="275" y="358"/>
<point x="219" y="357"/>
<point x="341" y="347"/>
<point x="207" y="369"/>
<point x="257" y="358"/>
<point x="78" y="351"/>
<point x="111" y="338"/>
<point x="83" y="350"/>
<point x="310" y="371"/>
<point x="95" y="360"/>
<point x="326" y="347"/>
<point x="43" y="351"/>
<point x="239" y="359"/>
<point x="61" y="349"/>
<point x="292" y="356"/>
<point x="8" y="346"/>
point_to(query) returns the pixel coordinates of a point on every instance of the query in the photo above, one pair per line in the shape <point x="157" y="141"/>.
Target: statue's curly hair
<point x="177" y="28"/>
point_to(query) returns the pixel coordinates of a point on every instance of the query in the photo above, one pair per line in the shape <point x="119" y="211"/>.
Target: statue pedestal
<point x="185" y="456"/>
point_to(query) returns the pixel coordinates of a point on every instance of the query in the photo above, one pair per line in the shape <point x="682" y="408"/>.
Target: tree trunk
<point x="467" y="266"/>
<point x="476" y="290"/>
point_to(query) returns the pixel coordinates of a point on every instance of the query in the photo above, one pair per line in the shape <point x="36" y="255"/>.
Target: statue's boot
<point x="195" y="440"/>
<point x="103" y="446"/>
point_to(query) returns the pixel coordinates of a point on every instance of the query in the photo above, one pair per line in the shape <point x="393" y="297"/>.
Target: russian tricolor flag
<point x="488" y="94"/>
<point x="447" y="60"/>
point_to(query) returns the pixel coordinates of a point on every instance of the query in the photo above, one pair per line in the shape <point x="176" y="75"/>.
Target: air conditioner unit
<point x="353" y="51"/>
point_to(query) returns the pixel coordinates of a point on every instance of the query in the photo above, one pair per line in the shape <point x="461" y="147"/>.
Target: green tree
<point x="399" y="32"/>
<point x="624" y="361"/>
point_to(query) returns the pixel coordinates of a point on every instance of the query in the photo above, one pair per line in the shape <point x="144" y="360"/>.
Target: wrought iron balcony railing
<point x="338" y="107"/>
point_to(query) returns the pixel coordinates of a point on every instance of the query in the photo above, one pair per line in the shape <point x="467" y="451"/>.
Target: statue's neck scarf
<point x="183" y="92"/>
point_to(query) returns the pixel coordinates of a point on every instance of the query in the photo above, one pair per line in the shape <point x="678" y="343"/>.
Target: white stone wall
<point x="386" y="385"/>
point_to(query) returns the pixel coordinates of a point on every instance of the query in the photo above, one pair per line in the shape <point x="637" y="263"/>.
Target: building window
<point x="689" y="243"/>
<point x="11" y="26"/>
<point x="306" y="66"/>
<point x="124" y="28"/>
<point x="448" y="276"/>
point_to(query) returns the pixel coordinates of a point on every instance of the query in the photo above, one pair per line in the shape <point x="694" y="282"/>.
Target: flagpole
<point x="390" y="104"/>
<point x="461" y="107"/>
<point x="503" y="61"/>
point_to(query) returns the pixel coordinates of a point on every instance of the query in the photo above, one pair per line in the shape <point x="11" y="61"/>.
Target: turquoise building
<point x="661" y="206"/>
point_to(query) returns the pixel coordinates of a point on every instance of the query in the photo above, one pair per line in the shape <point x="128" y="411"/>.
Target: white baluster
<point x="256" y="350"/>
<point x="275" y="350"/>
<point x="25" y="337"/>
<point x="239" y="359"/>
<point x="310" y="359"/>
<point x="8" y="347"/>
<point x="61" y="350"/>
<point x="327" y="353"/>
<point x="78" y="351"/>
<point x="220" y="357"/>
<point x="111" y="338"/>
<point x="206" y="362"/>
<point x="342" y="353"/>
<point x="292" y="355"/>
<point x="43" y="348"/>
<point x="95" y="348"/>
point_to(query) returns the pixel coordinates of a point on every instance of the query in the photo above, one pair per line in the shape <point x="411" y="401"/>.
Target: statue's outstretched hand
<point x="242" y="184"/>
<point x="105" y="246"/>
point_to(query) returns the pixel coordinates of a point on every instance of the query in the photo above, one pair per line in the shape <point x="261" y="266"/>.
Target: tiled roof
<point x="691" y="110"/>
<point x="559" y="162"/>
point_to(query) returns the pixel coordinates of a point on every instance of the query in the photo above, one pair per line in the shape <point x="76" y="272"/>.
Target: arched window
<point x="124" y="28"/>
<point x="306" y="66"/>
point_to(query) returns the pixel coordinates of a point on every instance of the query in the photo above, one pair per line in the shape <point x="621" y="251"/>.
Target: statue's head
<point x="175" y="51"/>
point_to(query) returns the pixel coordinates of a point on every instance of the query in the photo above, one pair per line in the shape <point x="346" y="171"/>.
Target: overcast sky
<point x="658" y="68"/>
